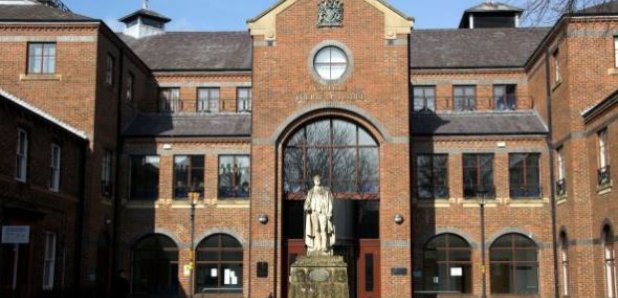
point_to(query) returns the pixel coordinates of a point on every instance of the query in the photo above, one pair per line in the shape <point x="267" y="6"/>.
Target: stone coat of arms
<point x="330" y="13"/>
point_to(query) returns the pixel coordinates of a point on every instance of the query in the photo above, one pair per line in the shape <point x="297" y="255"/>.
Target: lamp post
<point x="481" y="196"/>
<point x="193" y="197"/>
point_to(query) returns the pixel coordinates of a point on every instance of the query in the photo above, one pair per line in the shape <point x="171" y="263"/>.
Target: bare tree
<point x="546" y="12"/>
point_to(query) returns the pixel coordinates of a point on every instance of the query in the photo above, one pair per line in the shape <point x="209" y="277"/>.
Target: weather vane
<point x="145" y="4"/>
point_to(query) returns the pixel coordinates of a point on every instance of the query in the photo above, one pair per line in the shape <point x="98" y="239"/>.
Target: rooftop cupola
<point x="144" y="22"/>
<point x="491" y="14"/>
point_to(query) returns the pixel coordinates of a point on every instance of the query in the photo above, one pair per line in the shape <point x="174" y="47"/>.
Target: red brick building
<point x="463" y="161"/>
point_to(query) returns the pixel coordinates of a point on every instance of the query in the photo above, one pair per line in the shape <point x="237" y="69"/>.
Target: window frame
<point x="234" y="183"/>
<point x="55" y="168"/>
<point x="110" y="63"/>
<point x="212" y="100"/>
<point x="22" y="156"/>
<point x="363" y="142"/>
<point x="513" y="261"/>
<point x="615" y="39"/>
<point x="169" y="100"/>
<point x="564" y="263"/>
<point x="489" y="189"/>
<point x="556" y="62"/>
<point x="609" y="261"/>
<point x="603" y="148"/>
<point x="425" y="98"/>
<point x="189" y="174"/>
<point x="157" y="189"/>
<point x="49" y="260"/>
<point x="448" y="252"/>
<point x="43" y="57"/>
<point x="525" y="173"/>
<point x="130" y="92"/>
<point x="220" y="262"/>
<point x="315" y="65"/>
<point x="506" y="96"/>
<point x="107" y="166"/>
<point x="247" y="100"/>
<point x="465" y="97"/>
<point x="434" y="172"/>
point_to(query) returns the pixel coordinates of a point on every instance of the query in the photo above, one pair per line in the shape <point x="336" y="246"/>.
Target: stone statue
<point x="319" y="228"/>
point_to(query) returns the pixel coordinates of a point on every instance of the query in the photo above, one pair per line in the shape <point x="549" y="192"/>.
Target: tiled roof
<point x="170" y="125"/>
<point x="194" y="50"/>
<point x="478" y="123"/>
<point x="600" y="107"/>
<point x="473" y="48"/>
<point x="37" y="12"/>
<point x="608" y="7"/>
<point x="4" y="95"/>
<point x="146" y="12"/>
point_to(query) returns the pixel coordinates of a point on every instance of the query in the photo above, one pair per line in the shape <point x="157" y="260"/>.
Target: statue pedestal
<point x="319" y="276"/>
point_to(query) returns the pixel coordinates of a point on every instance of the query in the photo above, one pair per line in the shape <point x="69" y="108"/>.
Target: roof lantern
<point x="491" y="14"/>
<point x="144" y="22"/>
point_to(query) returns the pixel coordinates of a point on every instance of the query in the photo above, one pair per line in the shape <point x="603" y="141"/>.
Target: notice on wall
<point x="456" y="271"/>
<point x="213" y="272"/>
<point x="186" y="270"/>
<point x="229" y="277"/>
<point x="436" y="280"/>
<point x="15" y="234"/>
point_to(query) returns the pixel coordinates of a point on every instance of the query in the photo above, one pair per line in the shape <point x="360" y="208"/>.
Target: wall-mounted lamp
<point x="263" y="219"/>
<point x="398" y="218"/>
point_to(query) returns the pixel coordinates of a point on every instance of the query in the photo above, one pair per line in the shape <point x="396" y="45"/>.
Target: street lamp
<point x="481" y="196"/>
<point x="194" y="196"/>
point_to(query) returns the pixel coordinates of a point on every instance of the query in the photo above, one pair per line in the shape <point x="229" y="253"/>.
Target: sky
<point x="231" y="15"/>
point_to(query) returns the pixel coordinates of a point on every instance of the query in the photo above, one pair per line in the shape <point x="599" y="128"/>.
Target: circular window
<point x="330" y="63"/>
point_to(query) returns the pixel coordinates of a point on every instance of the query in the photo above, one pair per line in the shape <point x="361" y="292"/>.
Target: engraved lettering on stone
<point x="330" y="13"/>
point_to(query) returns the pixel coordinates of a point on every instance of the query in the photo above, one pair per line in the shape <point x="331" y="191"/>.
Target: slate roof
<point x="194" y="50"/>
<point x="600" y="107"/>
<point x="146" y="12"/>
<point x="473" y="48"/>
<point x="38" y="12"/>
<point x="478" y="123"/>
<point x="168" y="125"/>
<point x="609" y="7"/>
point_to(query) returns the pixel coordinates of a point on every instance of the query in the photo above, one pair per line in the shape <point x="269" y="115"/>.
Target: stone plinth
<point x="319" y="276"/>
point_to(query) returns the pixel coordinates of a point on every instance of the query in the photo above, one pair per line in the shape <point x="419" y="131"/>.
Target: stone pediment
<point x="395" y="22"/>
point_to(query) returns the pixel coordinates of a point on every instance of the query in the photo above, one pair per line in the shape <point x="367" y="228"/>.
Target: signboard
<point x="456" y="271"/>
<point x="15" y="234"/>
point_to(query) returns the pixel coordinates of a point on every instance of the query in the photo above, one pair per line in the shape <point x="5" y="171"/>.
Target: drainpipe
<point x="118" y="150"/>
<point x="552" y="178"/>
<point x="81" y="211"/>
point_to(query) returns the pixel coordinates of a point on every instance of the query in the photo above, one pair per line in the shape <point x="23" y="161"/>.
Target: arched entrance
<point x="347" y="157"/>
<point x="155" y="267"/>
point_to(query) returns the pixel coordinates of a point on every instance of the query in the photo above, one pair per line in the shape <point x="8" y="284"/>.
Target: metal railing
<point x="471" y="103"/>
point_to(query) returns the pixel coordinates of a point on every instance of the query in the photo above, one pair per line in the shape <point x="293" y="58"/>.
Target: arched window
<point x="447" y="265"/>
<point x="343" y="153"/>
<point x="564" y="263"/>
<point x="155" y="266"/>
<point x="514" y="265"/>
<point x="609" y="261"/>
<point x="218" y="265"/>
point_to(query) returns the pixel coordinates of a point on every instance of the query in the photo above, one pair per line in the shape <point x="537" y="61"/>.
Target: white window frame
<point x="49" y="261"/>
<point x="564" y="262"/>
<point x="21" y="170"/>
<point x="560" y="159"/>
<point x="603" y="152"/>
<point x="556" y="58"/>
<point x="55" y="165"/>
<point x="610" y="269"/>
<point x="209" y="100"/>
<point x="243" y="104"/>
<point x="616" y="51"/>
